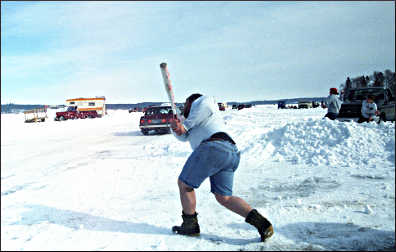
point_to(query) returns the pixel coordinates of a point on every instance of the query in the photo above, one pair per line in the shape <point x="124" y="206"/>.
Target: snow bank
<point x="327" y="142"/>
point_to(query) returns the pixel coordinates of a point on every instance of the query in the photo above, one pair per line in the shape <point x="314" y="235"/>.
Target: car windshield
<point x="71" y="108"/>
<point x="158" y="111"/>
<point x="361" y="94"/>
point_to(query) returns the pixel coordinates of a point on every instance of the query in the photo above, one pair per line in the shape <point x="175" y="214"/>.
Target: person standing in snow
<point x="215" y="155"/>
<point x="369" y="110"/>
<point x="333" y="104"/>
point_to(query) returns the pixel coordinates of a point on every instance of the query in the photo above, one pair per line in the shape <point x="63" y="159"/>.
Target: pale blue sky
<point x="235" y="51"/>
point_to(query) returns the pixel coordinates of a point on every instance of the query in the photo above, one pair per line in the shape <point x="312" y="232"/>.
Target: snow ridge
<point x="326" y="142"/>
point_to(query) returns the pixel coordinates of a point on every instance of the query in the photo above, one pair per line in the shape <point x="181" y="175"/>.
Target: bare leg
<point x="187" y="198"/>
<point x="235" y="204"/>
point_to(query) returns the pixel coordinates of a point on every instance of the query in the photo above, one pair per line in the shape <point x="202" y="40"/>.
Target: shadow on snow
<point x="339" y="236"/>
<point x="72" y="219"/>
<point x="139" y="133"/>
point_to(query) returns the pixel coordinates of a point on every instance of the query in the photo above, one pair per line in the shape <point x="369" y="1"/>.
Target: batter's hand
<point x="177" y="127"/>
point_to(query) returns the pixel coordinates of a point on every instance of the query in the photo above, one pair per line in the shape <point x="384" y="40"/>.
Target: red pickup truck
<point x="73" y="113"/>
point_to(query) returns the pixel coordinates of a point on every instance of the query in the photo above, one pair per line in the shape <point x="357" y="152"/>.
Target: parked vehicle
<point x="315" y="104"/>
<point x="156" y="118"/>
<point x="221" y="106"/>
<point x="304" y="104"/>
<point x="241" y="106"/>
<point x="97" y="104"/>
<point x="351" y="107"/>
<point x="281" y="104"/>
<point x="73" y="113"/>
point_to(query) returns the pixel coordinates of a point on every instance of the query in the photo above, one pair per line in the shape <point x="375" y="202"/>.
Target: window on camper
<point x="91" y="104"/>
<point x="72" y="103"/>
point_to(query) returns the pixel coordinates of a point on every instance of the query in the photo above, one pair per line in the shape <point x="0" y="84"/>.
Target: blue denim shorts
<point x="217" y="160"/>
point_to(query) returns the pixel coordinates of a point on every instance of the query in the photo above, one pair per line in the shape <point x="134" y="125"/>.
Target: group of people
<point x="369" y="109"/>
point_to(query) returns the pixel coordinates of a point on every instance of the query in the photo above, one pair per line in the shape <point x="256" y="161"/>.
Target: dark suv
<point x="156" y="118"/>
<point x="352" y="103"/>
<point x="221" y="106"/>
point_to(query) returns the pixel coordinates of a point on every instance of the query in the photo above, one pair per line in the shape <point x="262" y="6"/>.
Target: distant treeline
<point x="15" y="108"/>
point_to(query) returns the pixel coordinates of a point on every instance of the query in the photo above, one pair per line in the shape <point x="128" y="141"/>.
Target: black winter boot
<point x="261" y="223"/>
<point x="189" y="226"/>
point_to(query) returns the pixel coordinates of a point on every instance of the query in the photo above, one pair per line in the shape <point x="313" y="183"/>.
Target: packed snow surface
<point x="99" y="184"/>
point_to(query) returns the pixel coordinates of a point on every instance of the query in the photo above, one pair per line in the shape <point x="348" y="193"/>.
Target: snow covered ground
<point x="99" y="184"/>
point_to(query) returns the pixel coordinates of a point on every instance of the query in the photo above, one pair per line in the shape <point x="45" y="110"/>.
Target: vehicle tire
<point x="62" y="118"/>
<point x="144" y="132"/>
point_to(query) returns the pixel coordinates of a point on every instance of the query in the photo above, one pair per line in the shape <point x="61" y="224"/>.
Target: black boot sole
<point x="192" y="235"/>
<point x="176" y="231"/>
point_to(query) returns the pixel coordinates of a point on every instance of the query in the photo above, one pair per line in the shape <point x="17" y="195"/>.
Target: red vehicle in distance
<point x="156" y="118"/>
<point x="73" y="113"/>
